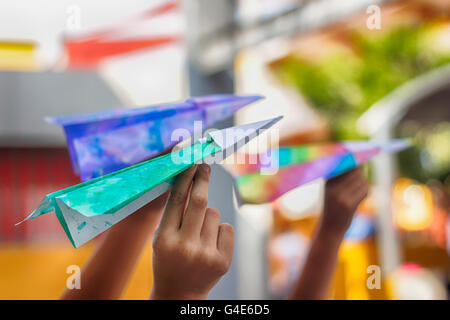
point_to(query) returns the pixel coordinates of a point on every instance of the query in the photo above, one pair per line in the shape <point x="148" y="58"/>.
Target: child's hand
<point x="191" y="249"/>
<point x="343" y="194"/>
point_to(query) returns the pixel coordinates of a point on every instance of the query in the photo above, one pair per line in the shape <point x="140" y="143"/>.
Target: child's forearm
<point x="315" y="279"/>
<point x="107" y="272"/>
<point x="343" y="194"/>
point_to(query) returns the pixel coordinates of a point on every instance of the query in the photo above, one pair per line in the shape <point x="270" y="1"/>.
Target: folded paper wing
<point x="278" y="171"/>
<point x="103" y="142"/>
<point x="88" y="209"/>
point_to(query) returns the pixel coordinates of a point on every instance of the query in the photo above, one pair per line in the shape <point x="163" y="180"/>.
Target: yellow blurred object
<point x="412" y="205"/>
<point x="39" y="271"/>
<point x="350" y="279"/>
<point x="17" y="56"/>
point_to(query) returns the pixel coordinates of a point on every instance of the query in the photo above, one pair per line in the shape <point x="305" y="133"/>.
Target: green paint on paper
<point x="116" y="190"/>
<point x="111" y="192"/>
<point x="81" y="226"/>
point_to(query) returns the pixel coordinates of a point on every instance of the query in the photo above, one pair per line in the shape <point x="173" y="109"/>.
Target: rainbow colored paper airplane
<point x="103" y="142"/>
<point x="265" y="177"/>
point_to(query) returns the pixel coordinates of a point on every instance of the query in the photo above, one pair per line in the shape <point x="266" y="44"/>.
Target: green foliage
<point x="342" y="86"/>
<point x="429" y="158"/>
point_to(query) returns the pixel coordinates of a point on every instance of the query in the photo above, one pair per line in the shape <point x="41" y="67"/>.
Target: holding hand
<point x="343" y="194"/>
<point x="191" y="249"/>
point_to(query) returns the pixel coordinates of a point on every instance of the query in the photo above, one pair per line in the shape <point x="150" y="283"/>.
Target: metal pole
<point x="202" y="17"/>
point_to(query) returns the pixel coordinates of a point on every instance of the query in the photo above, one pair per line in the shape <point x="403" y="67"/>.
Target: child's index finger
<point x="177" y="199"/>
<point x="198" y="201"/>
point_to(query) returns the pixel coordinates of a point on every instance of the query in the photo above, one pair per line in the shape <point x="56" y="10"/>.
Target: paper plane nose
<point x="229" y="100"/>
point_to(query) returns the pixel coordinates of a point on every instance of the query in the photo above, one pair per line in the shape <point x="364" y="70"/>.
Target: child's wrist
<point x="142" y="220"/>
<point x="330" y="231"/>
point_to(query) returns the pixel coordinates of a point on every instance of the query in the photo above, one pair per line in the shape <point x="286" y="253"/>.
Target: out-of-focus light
<point x="412" y="282"/>
<point x="286" y="256"/>
<point x="412" y="205"/>
<point x="259" y="216"/>
<point x="436" y="147"/>
<point x="361" y="228"/>
<point x="447" y="231"/>
<point x="303" y="201"/>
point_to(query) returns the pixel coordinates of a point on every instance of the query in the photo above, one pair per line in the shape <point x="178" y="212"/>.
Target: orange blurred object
<point x="89" y="50"/>
<point x="89" y="53"/>
<point x="412" y="205"/>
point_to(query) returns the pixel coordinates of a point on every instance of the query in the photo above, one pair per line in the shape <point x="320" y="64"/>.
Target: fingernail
<point x="206" y="168"/>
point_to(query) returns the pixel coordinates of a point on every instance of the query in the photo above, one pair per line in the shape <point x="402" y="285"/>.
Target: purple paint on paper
<point x="106" y="141"/>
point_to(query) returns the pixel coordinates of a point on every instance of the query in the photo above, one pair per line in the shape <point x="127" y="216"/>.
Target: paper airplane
<point x="103" y="142"/>
<point x="278" y="171"/>
<point x="88" y="209"/>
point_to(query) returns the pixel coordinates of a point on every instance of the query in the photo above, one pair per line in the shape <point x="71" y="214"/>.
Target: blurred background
<point x="337" y="70"/>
